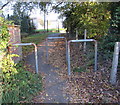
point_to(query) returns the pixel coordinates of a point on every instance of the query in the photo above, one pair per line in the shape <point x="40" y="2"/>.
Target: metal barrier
<point x="68" y="52"/>
<point x="48" y="38"/>
<point x="115" y="63"/>
<point x="36" y="55"/>
<point x="85" y="35"/>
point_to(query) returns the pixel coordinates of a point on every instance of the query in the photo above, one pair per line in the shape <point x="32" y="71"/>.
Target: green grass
<point x="41" y="30"/>
<point x="80" y="69"/>
<point x="53" y="30"/>
<point x="35" y="38"/>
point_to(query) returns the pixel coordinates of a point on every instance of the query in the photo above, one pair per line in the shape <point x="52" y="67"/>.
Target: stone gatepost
<point x="15" y="37"/>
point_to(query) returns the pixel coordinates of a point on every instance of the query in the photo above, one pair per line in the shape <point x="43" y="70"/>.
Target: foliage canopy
<point x="92" y="16"/>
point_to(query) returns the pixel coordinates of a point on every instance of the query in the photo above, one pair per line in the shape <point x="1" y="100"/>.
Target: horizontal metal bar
<point x="22" y="44"/>
<point x="55" y="37"/>
<point x="83" y="40"/>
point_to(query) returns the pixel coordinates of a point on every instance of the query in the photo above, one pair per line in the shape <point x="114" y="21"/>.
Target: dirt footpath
<point x="53" y="85"/>
<point x="83" y="87"/>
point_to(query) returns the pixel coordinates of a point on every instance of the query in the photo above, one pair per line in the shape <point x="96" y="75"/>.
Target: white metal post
<point x="36" y="55"/>
<point x="84" y="46"/>
<point x="68" y="53"/>
<point x="66" y="49"/>
<point x="76" y="34"/>
<point x="115" y="63"/>
<point x="95" y="67"/>
<point x="46" y="49"/>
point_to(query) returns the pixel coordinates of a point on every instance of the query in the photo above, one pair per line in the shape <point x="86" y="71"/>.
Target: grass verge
<point x="49" y="30"/>
<point x="35" y="38"/>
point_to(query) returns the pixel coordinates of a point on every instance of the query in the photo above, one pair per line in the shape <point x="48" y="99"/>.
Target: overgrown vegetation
<point x="101" y="19"/>
<point x="107" y="42"/>
<point x="106" y="45"/>
<point x="85" y="15"/>
<point x="18" y="84"/>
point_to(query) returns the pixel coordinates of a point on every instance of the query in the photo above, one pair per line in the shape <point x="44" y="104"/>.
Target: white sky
<point x="35" y="14"/>
<point x="51" y="16"/>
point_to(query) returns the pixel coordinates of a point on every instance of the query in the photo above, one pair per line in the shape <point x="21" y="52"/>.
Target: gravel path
<point x="53" y="85"/>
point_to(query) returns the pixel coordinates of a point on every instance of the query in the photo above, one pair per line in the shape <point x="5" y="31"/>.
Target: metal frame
<point x="49" y="38"/>
<point x="85" y="35"/>
<point x="115" y="63"/>
<point x="68" y="52"/>
<point x="76" y="34"/>
<point x="36" y="55"/>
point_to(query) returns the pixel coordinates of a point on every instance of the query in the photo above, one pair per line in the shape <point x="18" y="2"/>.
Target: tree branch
<point x="4" y="5"/>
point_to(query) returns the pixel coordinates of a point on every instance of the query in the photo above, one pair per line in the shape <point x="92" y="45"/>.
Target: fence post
<point x="46" y="50"/>
<point x="69" y="68"/>
<point x="76" y="34"/>
<point x="95" y="68"/>
<point x="66" y="49"/>
<point x="114" y="64"/>
<point x="36" y="57"/>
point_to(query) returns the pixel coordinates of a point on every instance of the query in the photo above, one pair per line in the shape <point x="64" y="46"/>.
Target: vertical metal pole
<point x="58" y="26"/>
<point x="66" y="49"/>
<point x="47" y="26"/>
<point x="95" y="67"/>
<point x="44" y="18"/>
<point x="36" y="58"/>
<point x="114" y="63"/>
<point x="69" y="69"/>
<point x="76" y="34"/>
<point x="47" y="23"/>
<point x="85" y="34"/>
<point x="46" y="49"/>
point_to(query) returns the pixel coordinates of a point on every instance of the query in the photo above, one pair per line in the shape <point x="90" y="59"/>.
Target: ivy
<point x="18" y="84"/>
